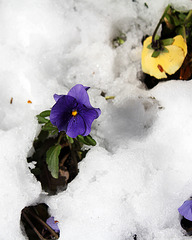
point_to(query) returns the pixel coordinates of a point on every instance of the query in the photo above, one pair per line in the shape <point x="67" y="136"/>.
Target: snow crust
<point x="139" y="173"/>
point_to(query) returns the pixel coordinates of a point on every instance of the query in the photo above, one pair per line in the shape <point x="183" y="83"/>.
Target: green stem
<point x="187" y="19"/>
<point x="62" y="134"/>
<point x="159" y="23"/>
<point x="184" y="32"/>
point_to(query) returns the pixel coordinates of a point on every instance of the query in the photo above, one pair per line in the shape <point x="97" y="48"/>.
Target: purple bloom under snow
<point x="73" y="112"/>
<point x="53" y="224"/>
<point x="186" y="210"/>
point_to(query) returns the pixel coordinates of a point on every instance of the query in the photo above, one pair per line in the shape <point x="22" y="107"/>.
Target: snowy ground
<point x="139" y="173"/>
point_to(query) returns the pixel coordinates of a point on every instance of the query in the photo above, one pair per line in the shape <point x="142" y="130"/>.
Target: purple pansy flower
<point x="73" y="112"/>
<point x="53" y="224"/>
<point x="186" y="210"/>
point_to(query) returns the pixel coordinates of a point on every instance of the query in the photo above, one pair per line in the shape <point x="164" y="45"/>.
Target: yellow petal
<point x="166" y="62"/>
<point x="180" y="42"/>
<point x="172" y="60"/>
<point x="148" y="63"/>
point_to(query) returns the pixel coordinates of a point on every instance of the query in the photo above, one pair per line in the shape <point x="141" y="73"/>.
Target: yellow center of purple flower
<point x="74" y="113"/>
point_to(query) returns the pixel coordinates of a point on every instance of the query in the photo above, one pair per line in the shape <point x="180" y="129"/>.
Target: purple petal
<point x="186" y="210"/>
<point x="79" y="92"/>
<point x="81" y="123"/>
<point x="61" y="112"/>
<point x="76" y="126"/>
<point x="89" y="115"/>
<point x="56" y="97"/>
<point x="53" y="224"/>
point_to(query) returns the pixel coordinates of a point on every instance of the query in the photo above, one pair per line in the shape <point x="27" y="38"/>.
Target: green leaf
<point x="149" y="46"/>
<point x="182" y="16"/>
<point x="181" y="31"/>
<point x="42" y="120"/>
<point x="88" y="140"/>
<point x="169" y="19"/>
<point x="165" y="50"/>
<point x="156" y="53"/>
<point x="177" y="21"/>
<point x="53" y="132"/>
<point x="118" y="41"/>
<point x="168" y="41"/>
<point x="70" y="139"/>
<point x="157" y="37"/>
<point x="49" y="127"/>
<point x="52" y="160"/>
<point x="42" y="117"/>
<point x="45" y="113"/>
<point x="80" y="138"/>
<point x="121" y="41"/>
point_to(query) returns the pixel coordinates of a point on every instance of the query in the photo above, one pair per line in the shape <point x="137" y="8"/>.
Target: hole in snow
<point x="36" y="223"/>
<point x="68" y="164"/>
<point x="187" y="225"/>
<point x="135" y="237"/>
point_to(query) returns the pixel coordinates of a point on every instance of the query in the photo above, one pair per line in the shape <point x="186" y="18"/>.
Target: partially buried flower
<point x="168" y="61"/>
<point x="73" y="112"/>
<point x="186" y="210"/>
<point x="53" y="224"/>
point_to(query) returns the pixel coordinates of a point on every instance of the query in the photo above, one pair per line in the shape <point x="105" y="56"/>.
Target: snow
<point x="139" y="173"/>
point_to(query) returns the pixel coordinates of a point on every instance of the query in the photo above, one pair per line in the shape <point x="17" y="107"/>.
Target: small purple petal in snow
<point x="186" y="210"/>
<point x="53" y="224"/>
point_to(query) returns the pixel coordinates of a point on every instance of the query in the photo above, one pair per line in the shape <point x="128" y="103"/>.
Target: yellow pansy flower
<point x="166" y="62"/>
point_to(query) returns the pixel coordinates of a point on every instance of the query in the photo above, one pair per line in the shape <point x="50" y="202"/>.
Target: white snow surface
<point x="139" y="173"/>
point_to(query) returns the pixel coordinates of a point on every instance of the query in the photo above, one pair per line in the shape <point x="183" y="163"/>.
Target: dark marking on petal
<point x="160" y="68"/>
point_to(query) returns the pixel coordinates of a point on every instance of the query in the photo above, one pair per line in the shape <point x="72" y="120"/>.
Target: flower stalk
<point x="155" y="43"/>
<point x="33" y="227"/>
<point x="62" y="134"/>
<point x="188" y="18"/>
